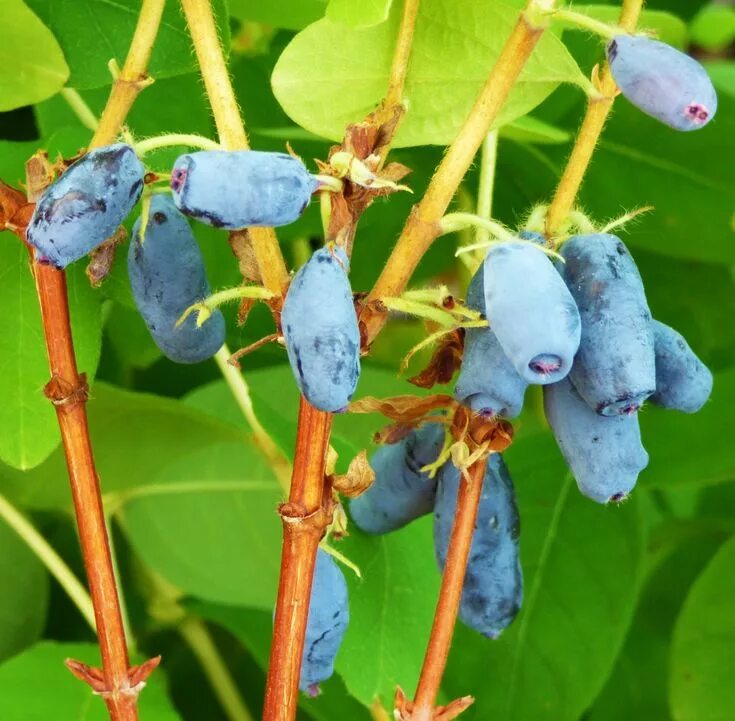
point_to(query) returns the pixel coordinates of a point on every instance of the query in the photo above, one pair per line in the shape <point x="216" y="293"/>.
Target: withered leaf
<point x="359" y="477"/>
<point x="444" y="363"/>
<point x="403" y="408"/>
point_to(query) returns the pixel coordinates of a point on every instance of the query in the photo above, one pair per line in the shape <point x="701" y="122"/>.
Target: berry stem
<point x="585" y="22"/>
<point x="304" y="522"/>
<point x="80" y="108"/>
<point x="421" y="227"/>
<point x="598" y="110"/>
<point x="488" y="163"/>
<point x="231" y="130"/>
<point x="401" y="57"/>
<point x="453" y="222"/>
<point x="450" y="594"/>
<point x="67" y="390"/>
<point x="142" y="147"/>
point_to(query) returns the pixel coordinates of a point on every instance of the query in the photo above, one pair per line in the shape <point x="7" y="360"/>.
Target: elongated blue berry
<point x="614" y="370"/>
<point x="662" y="81"/>
<point x="86" y="205"/>
<point x="488" y="382"/>
<point x="683" y="382"/>
<point x="493" y="586"/>
<point x="319" y="324"/>
<point x="167" y="275"/>
<point x="243" y="188"/>
<point x="604" y="453"/>
<point x="401" y="492"/>
<point x="531" y="311"/>
<point x="329" y="614"/>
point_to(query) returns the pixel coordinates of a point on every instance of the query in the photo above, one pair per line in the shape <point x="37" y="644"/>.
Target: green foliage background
<point x="628" y="610"/>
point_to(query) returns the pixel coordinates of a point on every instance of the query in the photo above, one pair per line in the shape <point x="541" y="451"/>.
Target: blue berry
<point x="604" y="453"/>
<point x="614" y="370"/>
<point x="493" y="586"/>
<point x="683" y="382"/>
<point x="401" y="492"/>
<point x="319" y="324"/>
<point x="329" y="614"/>
<point x="488" y="382"/>
<point x="167" y="275"/>
<point x="531" y="311"/>
<point x="86" y="205"/>
<point x="662" y="81"/>
<point x="241" y="189"/>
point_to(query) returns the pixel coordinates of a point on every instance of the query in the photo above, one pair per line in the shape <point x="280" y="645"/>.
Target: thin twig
<point x="421" y="227"/>
<point x="67" y="390"/>
<point x="241" y="392"/>
<point x="230" y="129"/>
<point x="486" y="187"/>
<point x="598" y="110"/>
<point x="199" y="640"/>
<point x="54" y="563"/>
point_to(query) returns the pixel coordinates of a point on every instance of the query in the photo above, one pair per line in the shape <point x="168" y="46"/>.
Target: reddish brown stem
<point x="304" y="522"/>
<point x="67" y="390"/>
<point x="442" y="630"/>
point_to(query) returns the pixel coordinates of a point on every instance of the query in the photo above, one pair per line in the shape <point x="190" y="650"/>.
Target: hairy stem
<point x="421" y="227"/>
<point x="304" y="522"/>
<point x="401" y="55"/>
<point x="67" y="390"/>
<point x="230" y="128"/>
<point x="54" y="563"/>
<point x="488" y="162"/>
<point x="598" y="110"/>
<point x="199" y="640"/>
<point x="445" y="617"/>
<point x="241" y="393"/>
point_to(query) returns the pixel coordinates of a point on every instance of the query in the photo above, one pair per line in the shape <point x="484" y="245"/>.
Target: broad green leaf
<point x="667" y="27"/>
<point x="24" y="599"/>
<point x="134" y="436"/>
<point x="290" y="14"/>
<point x="63" y="696"/>
<point x="362" y="14"/>
<point x="638" y="686"/>
<point x="703" y="647"/>
<point x="682" y="175"/>
<point x="670" y="438"/>
<point x="395" y="600"/>
<point x="28" y="428"/>
<point x="32" y="65"/>
<point x="713" y="28"/>
<point x="130" y="337"/>
<point x="531" y="130"/>
<point x="254" y="629"/>
<point x="93" y="32"/>
<point x="722" y="73"/>
<point x="338" y="90"/>
<point x="582" y="565"/>
<point x="208" y="524"/>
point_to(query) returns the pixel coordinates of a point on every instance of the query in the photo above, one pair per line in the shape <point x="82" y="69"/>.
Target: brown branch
<point x="305" y="518"/>
<point x="450" y="595"/>
<point x="232" y="135"/>
<point x="598" y="111"/>
<point x="421" y="227"/>
<point x="117" y="683"/>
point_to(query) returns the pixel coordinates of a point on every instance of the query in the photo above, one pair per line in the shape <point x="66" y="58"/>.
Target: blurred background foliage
<point x="628" y="610"/>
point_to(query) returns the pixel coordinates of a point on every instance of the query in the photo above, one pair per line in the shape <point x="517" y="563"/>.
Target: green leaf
<point x="63" y="696"/>
<point x="349" y="69"/>
<point x="582" y="564"/>
<point x="130" y="337"/>
<point x="290" y="14"/>
<point x="357" y="15"/>
<point x="714" y="27"/>
<point x="532" y="130"/>
<point x="32" y="65"/>
<point x="28" y="428"/>
<point x="134" y="436"/>
<point x="722" y="73"/>
<point x="395" y="600"/>
<point x="703" y="649"/>
<point x="92" y="32"/>
<point x="670" y="438"/>
<point x="208" y="524"/>
<point x="24" y="600"/>
<point x="641" y="162"/>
